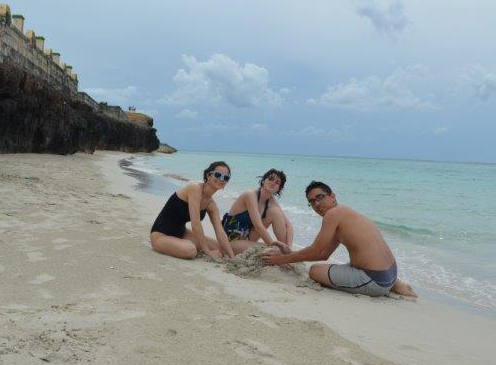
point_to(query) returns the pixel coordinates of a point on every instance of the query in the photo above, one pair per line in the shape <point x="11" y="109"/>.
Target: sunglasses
<point x="220" y="176"/>
<point x="316" y="200"/>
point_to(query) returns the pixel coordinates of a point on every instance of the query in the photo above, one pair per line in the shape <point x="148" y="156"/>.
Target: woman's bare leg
<point x="173" y="246"/>
<point x="212" y="243"/>
<point x="274" y="218"/>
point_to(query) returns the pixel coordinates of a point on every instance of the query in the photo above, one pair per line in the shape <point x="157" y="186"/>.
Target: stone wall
<point x="113" y="111"/>
<point x="35" y="117"/>
<point x="24" y="50"/>
<point x="86" y="99"/>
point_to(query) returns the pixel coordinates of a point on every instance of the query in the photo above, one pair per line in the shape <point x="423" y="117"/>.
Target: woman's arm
<point x="252" y="207"/>
<point x="194" y="194"/>
<point x="289" y="232"/>
<point x="213" y="213"/>
<point x="289" y="226"/>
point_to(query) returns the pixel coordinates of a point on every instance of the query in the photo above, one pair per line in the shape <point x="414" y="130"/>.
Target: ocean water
<point x="439" y="218"/>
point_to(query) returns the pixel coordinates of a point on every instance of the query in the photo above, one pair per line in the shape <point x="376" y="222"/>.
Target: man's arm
<point x="324" y="245"/>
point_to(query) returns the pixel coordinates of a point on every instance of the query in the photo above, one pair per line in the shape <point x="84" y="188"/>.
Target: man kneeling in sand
<point x="372" y="268"/>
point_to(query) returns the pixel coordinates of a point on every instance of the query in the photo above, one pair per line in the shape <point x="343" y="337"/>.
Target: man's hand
<point x="273" y="258"/>
<point x="282" y="246"/>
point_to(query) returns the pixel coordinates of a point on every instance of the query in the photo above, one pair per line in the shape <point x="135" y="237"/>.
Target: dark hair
<point x="212" y="167"/>
<point x="278" y="173"/>
<point x="317" y="184"/>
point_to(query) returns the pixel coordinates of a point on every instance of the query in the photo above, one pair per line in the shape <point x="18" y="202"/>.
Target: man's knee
<point x="319" y="273"/>
<point x="313" y="273"/>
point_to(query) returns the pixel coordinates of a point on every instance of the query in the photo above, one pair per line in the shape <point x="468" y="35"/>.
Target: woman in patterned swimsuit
<point x="169" y="234"/>
<point x="254" y="211"/>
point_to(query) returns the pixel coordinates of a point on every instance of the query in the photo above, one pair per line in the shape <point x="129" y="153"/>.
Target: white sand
<point x="79" y="283"/>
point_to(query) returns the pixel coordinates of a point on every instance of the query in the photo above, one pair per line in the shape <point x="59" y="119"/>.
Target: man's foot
<point x="402" y="288"/>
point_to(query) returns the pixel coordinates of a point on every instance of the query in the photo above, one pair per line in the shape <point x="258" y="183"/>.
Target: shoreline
<point x="154" y="184"/>
<point x="449" y="314"/>
<point x="81" y="283"/>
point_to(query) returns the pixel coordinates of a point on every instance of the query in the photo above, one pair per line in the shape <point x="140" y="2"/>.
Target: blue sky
<point x="369" y="78"/>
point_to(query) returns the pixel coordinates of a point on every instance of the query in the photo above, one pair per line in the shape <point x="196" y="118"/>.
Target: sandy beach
<point x="80" y="284"/>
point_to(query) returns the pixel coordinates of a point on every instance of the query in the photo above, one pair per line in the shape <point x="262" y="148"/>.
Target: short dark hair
<point x="278" y="173"/>
<point x="212" y="167"/>
<point x="317" y="184"/>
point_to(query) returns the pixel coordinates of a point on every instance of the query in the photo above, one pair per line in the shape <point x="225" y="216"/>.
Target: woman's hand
<point x="214" y="253"/>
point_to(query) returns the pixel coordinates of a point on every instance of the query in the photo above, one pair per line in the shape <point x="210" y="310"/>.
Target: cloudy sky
<point x="372" y="78"/>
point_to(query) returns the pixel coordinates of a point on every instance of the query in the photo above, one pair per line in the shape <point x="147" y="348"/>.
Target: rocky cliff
<point x="35" y="117"/>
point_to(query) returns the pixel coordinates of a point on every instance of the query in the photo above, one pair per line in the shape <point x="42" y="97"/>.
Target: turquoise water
<point x="438" y="217"/>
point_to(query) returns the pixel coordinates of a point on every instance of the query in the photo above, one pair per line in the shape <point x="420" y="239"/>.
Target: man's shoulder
<point x="338" y="212"/>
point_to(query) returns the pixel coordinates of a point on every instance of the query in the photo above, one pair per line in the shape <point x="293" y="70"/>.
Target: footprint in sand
<point x="60" y="244"/>
<point x="257" y="351"/>
<point x="60" y="240"/>
<point x="45" y="294"/>
<point x="145" y="275"/>
<point x="61" y="247"/>
<point x="266" y="322"/>
<point x="41" y="279"/>
<point x="35" y="256"/>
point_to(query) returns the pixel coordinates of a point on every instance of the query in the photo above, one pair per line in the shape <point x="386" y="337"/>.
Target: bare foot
<point x="402" y="288"/>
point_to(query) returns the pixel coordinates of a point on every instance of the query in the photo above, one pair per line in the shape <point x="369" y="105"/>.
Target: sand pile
<point x="249" y="264"/>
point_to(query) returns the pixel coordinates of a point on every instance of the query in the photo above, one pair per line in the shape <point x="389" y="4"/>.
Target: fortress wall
<point x="17" y="48"/>
<point x="28" y="52"/>
<point x="85" y="98"/>
<point x="113" y="111"/>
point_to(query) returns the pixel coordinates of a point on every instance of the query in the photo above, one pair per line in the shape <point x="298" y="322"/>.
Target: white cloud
<point x="480" y="82"/>
<point x="314" y="132"/>
<point x="122" y="97"/>
<point x="209" y="128"/>
<point x="435" y="131"/>
<point x="441" y="130"/>
<point x="259" y="126"/>
<point x="389" y="20"/>
<point x="397" y="91"/>
<point x="187" y="114"/>
<point x="221" y="80"/>
<point x="286" y="90"/>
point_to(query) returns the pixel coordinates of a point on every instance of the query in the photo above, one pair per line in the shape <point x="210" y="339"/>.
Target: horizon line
<point x="343" y="156"/>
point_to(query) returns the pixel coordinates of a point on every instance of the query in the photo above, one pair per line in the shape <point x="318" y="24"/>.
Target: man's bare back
<point x="362" y="239"/>
<point x="372" y="269"/>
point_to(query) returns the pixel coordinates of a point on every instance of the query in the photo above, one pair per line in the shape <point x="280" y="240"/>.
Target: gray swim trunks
<point x="358" y="281"/>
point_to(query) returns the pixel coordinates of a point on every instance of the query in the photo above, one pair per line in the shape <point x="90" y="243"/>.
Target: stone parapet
<point x="18" y="21"/>
<point x="86" y="99"/>
<point x="26" y="51"/>
<point x="113" y="111"/>
<point x="40" y="43"/>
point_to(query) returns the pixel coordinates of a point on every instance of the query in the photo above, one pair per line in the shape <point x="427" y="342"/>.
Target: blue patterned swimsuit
<point x="238" y="226"/>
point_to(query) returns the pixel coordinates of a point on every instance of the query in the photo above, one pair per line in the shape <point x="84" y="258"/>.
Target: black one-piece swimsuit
<point x="172" y="219"/>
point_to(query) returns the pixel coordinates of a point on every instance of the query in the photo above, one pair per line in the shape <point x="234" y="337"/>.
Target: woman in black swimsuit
<point x="254" y="211"/>
<point x="169" y="234"/>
